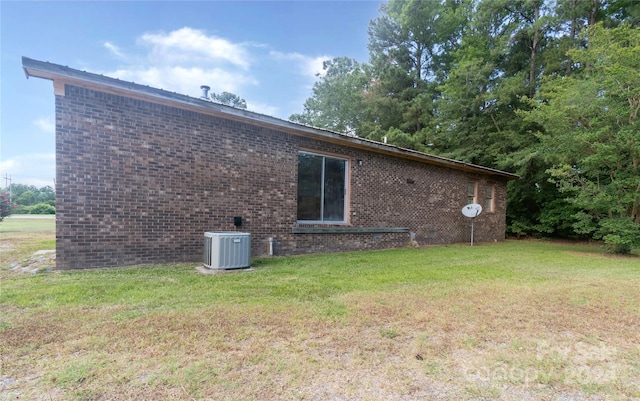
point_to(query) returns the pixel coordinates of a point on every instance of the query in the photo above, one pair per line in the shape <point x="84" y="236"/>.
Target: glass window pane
<point x="471" y="192"/>
<point x="471" y="189"/>
<point x="334" y="189"/>
<point x="488" y="201"/>
<point x="309" y="186"/>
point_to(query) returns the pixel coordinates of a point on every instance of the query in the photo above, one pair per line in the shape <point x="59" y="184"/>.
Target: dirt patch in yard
<point x="40" y="261"/>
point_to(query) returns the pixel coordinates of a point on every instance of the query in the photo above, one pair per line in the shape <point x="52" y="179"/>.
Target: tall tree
<point x="591" y="135"/>
<point x="338" y="96"/>
<point x="410" y="48"/>
<point x="496" y="65"/>
<point x="502" y="61"/>
<point x="626" y="11"/>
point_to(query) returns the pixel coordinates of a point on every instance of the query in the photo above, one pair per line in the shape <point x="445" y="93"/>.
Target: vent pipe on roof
<point x="205" y="92"/>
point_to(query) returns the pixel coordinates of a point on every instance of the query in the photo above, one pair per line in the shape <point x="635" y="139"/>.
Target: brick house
<point x="142" y="173"/>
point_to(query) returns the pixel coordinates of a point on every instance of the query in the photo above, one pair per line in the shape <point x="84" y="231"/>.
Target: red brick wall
<point x="139" y="182"/>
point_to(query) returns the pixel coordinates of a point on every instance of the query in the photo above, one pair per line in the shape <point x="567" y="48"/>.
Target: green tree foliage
<point x="410" y="47"/>
<point x="500" y="63"/>
<point x="27" y="197"/>
<point x="457" y="78"/>
<point x="229" y="99"/>
<point x="591" y="134"/>
<point x="338" y="96"/>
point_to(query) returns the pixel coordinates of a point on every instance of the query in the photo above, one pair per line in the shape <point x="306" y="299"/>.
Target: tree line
<point x="549" y="90"/>
<point x="29" y="199"/>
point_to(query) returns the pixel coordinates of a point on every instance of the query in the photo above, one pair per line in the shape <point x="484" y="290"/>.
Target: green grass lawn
<point x="28" y="223"/>
<point x="22" y="235"/>
<point x="513" y="320"/>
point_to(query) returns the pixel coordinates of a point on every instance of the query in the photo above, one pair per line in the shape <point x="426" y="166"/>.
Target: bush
<point x="20" y="209"/>
<point x="6" y="208"/>
<point x="620" y="234"/>
<point x="42" y="208"/>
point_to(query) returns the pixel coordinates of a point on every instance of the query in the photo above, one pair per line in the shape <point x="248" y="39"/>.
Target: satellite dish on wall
<point x="472" y="211"/>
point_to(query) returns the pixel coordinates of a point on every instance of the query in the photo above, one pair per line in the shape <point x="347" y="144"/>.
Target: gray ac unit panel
<point x="227" y="250"/>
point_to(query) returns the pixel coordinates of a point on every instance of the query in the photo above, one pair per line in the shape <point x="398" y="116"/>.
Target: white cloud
<point x="6" y="166"/>
<point x="185" y="79"/>
<point x="306" y="65"/>
<point x="115" y="50"/>
<point x="188" y="45"/>
<point x="37" y="169"/>
<point x="46" y="124"/>
<point x="186" y="58"/>
<point x="263" y="108"/>
<point x="183" y="59"/>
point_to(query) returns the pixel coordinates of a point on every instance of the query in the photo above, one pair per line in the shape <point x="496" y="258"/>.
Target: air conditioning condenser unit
<point x="227" y="250"/>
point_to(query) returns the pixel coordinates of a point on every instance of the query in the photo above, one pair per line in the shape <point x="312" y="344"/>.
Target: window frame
<point x="346" y="194"/>
<point x="475" y="192"/>
<point x="489" y="196"/>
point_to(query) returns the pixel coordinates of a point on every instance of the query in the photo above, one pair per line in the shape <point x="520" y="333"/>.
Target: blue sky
<point x="267" y="52"/>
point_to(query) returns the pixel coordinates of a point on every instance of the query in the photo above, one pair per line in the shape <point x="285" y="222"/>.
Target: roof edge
<point x="51" y="71"/>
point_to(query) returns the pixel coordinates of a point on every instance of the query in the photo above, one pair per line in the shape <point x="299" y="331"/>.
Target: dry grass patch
<point x="519" y="320"/>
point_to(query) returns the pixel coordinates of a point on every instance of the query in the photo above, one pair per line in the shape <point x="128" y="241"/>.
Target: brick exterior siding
<point x="139" y="182"/>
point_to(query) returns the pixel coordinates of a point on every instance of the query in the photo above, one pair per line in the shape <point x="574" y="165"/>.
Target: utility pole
<point x="7" y="183"/>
